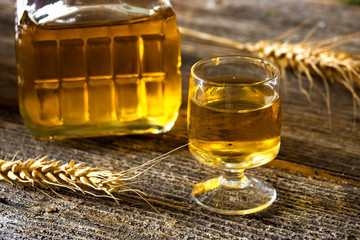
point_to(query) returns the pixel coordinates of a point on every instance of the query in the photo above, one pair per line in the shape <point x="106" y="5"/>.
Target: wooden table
<point x="316" y="173"/>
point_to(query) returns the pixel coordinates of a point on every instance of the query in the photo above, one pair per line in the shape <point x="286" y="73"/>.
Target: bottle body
<point x="99" y="77"/>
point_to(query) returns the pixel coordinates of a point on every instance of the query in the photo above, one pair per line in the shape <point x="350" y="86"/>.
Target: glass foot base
<point x="245" y="196"/>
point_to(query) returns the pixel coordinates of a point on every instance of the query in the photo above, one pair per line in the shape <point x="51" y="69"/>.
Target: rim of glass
<point x="276" y="72"/>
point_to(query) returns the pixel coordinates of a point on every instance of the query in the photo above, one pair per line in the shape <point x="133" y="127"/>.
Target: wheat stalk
<point x="306" y="58"/>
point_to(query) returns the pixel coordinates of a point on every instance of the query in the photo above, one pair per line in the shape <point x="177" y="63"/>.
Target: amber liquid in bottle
<point x="91" y="79"/>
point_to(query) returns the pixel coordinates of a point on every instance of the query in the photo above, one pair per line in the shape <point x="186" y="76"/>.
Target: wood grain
<point x="316" y="173"/>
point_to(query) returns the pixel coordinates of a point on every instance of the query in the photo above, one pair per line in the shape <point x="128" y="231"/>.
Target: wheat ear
<point x="305" y="58"/>
<point x="77" y="177"/>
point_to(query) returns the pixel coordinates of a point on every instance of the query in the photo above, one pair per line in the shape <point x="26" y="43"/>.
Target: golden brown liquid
<point x="101" y="78"/>
<point x="241" y="131"/>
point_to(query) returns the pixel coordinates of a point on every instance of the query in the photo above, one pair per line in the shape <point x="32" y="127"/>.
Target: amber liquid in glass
<point x="91" y="79"/>
<point x="240" y="133"/>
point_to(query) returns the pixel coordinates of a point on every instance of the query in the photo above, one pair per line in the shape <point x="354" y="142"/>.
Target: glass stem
<point x="235" y="179"/>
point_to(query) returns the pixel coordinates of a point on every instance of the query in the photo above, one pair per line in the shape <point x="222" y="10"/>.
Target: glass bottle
<point x="97" y="67"/>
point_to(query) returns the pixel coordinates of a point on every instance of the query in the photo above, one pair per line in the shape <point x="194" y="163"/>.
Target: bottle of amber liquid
<point x="97" y="67"/>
